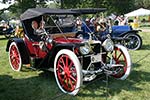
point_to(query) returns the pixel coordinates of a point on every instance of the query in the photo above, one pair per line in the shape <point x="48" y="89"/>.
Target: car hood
<point x="67" y="40"/>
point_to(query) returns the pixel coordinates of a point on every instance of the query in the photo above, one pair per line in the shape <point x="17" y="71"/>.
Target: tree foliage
<point x="142" y="3"/>
<point x="22" y="5"/>
<point x="118" y="6"/>
<point x="82" y="3"/>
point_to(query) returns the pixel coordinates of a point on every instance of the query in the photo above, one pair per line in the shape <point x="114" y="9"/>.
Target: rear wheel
<point x="15" y="57"/>
<point x="67" y="71"/>
<point x="134" y="41"/>
<point x="121" y="57"/>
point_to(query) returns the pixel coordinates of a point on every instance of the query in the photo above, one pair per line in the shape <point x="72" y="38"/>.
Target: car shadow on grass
<point x="136" y="65"/>
<point x="3" y="38"/>
<point x="145" y="47"/>
<point x="44" y="87"/>
<point x="100" y="89"/>
<point x="41" y="87"/>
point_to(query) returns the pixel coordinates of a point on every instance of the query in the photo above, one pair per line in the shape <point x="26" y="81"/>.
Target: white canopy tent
<point x="138" y="12"/>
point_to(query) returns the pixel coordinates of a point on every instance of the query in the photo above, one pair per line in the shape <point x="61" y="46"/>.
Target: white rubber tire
<point x="19" y="56"/>
<point x="128" y="59"/>
<point x="78" y="67"/>
<point x="138" y="38"/>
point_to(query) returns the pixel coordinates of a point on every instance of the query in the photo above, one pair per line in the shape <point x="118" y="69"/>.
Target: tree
<point x="142" y="3"/>
<point x="113" y="6"/>
<point x="83" y="3"/>
<point x="119" y="6"/>
<point x="70" y="3"/>
<point x="22" y="5"/>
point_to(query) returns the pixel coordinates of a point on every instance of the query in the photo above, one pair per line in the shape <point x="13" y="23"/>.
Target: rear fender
<point x="128" y="32"/>
<point x="22" y="49"/>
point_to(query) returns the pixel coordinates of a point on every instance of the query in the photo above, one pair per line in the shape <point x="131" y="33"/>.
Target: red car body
<point x="71" y="59"/>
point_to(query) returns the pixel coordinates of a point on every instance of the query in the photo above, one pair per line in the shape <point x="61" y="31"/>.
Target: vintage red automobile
<point x="56" y="49"/>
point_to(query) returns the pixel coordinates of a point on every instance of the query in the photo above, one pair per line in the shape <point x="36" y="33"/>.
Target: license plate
<point x="96" y="58"/>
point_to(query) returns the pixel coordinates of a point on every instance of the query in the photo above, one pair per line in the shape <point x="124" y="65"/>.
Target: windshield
<point x="61" y="20"/>
<point x="59" y="23"/>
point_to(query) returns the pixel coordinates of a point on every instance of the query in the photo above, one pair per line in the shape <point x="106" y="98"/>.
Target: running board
<point x="114" y="65"/>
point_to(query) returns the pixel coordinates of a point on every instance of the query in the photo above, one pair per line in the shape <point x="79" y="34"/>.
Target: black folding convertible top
<point x="35" y="12"/>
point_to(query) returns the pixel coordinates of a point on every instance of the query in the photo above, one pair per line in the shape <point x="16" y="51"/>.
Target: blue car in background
<point x="6" y="29"/>
<point x="127" y="36"/>
<point x="124" y="35"/>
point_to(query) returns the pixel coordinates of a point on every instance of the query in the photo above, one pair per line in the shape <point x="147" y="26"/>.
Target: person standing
<point x="135" y="21"/>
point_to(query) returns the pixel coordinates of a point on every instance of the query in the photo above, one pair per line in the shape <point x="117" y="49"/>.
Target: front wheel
<point x="121" y="57"/>
<point x="67" y="69"/>
<point x="134" y="41"/>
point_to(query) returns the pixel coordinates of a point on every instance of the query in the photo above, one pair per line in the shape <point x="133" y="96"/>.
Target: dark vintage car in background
<point x="57" y="49"/>
<point x="6" y="30"/>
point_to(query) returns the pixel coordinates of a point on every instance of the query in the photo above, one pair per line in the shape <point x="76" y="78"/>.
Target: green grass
<point x="39" y="85"/>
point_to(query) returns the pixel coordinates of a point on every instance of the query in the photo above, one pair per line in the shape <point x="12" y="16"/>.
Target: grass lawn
<point x="39" y="85"/>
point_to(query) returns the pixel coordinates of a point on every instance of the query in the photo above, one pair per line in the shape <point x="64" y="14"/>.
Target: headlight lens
<point x="108" y="45"/>
<point x="49" y="40"/>
<point x="85" y="49"/>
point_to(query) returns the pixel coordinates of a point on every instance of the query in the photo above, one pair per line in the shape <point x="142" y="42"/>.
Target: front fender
<point x="58" y="47"/>
<point x="22" y="49"/>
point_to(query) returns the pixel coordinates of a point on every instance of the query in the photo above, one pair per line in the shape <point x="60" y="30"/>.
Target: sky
<point x="2" y="5"/>
<point x="9" y="1"/>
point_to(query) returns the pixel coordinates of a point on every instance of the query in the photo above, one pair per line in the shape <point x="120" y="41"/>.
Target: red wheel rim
<point x="66" y="73"/>
<point x="120" y="58"/>
<point x="14" y="57"/>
